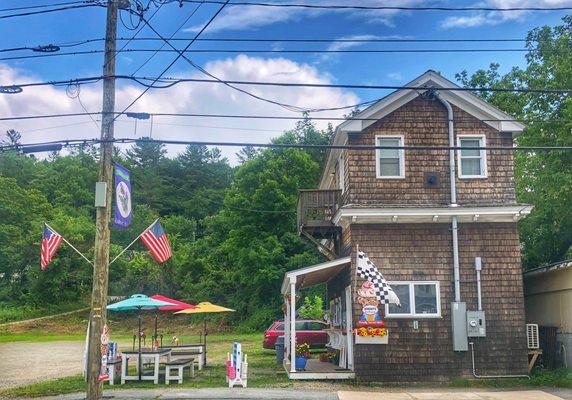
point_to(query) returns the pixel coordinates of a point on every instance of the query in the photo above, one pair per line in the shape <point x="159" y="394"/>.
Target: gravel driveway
<point x="23" y="363"/>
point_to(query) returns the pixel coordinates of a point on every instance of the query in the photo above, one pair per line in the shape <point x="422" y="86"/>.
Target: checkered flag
<point x="368" y="271"/>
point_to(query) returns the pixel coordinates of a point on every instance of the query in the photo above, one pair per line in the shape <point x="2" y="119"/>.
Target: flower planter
<point x="301" y="363"/>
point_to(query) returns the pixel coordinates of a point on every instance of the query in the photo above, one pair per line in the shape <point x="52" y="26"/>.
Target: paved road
<point x="24" y="363"/>
<point x="297" y="394"/>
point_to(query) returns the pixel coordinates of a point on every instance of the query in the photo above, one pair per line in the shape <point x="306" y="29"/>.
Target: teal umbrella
<point x="138" y="302"/>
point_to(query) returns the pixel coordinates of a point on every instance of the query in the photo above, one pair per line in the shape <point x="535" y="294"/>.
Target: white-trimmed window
<point x="341" y="172"/>
<point x="390" y="163"/>
<point x="472" y="162"/>
<point x="418" y="300"/>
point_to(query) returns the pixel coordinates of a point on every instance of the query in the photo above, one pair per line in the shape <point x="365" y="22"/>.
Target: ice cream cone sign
<point x="370" y="312"/>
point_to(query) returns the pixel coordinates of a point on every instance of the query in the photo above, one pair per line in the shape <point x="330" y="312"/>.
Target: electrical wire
<point x="283" y="51"/>
<point x="66" y="3"/>
<point x="300" y="145"/>
<point x="170" y="82"/>
<point x="396" y="8"/>
<point x="288" y="107"/>
<point x="72" y="7"/>
<point x="281" y="118"/>
<point x="280" y="40"/>
<point x="176" y="58"/>
<point x="181" y="26"/>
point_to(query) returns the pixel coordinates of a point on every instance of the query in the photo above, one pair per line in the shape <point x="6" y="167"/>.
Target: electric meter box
<point x="476" y="324"/>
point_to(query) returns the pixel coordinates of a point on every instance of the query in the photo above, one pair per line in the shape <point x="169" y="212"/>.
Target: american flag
<point x="155" y="240"/>
<point x="367" y="270"/>
<point x="50" y="244"/>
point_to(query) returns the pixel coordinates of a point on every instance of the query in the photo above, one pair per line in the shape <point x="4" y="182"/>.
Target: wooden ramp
<point x="315" y="369"/>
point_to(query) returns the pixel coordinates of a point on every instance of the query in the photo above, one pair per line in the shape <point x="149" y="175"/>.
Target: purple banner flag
<point x="123" y="209"/>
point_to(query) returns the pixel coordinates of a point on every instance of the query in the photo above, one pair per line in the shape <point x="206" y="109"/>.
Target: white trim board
<point x="292" y="276"/>
<point x="347" y="215"/>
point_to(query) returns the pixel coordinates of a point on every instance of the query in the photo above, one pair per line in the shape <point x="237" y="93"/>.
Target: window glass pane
<point x="280" y="327"/>
<point x="425" y="299"/>
<point x="402" y="291"/>
<point x="389" y="167"/>
<point x="301" y="326"/>
<point x="316" y="326"/>
<point x="470" y="143"/>
<point x="470" y="166"/>
<point x="388" y="153"/>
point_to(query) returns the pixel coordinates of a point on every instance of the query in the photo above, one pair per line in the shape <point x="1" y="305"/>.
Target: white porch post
<point x="293" y="325"/>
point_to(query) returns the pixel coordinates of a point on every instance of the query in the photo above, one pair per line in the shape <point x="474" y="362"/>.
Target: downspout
<point x="453" y="184"/>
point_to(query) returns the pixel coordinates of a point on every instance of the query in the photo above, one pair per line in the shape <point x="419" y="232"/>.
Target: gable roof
<point x="465" y="100"/>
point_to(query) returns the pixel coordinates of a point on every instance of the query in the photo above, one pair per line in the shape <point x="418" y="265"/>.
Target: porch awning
<point x="314" y="274"/>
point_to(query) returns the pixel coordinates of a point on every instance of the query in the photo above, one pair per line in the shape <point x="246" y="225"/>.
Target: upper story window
<point x="390" y="163"/>
<point x="472" y="162"/>
<point x="418" y="300"/>
<point x="341" y="173"/>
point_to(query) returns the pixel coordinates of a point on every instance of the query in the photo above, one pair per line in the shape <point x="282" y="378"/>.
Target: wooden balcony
<point x="315" y="211"/>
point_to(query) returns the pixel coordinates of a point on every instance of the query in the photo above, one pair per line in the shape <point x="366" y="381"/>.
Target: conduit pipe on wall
<point x="453" y="184"/>
<point x="491" y="376"/>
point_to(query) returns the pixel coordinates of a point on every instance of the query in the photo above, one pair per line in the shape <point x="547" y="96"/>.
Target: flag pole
<point x="133" y="242"/>
<point x="356" y="275"/>
<point x="71" y="245"/>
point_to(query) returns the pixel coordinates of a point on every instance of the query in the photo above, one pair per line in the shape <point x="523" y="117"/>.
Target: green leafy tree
<point x="543" y="179"/>
<point x="312" y="309"/>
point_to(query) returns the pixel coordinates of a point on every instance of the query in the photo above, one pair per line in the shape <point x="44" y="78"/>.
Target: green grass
<point x="561" y="377"/>
<point x="262" y="368"/>
<point x="10" y="313"/>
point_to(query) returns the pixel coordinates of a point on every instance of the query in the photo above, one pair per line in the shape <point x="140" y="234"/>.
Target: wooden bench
<point x="179" y="365"/>
<point x="196" y="355"/>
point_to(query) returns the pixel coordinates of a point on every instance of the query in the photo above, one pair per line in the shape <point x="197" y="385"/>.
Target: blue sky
<point x="250" y="22"/>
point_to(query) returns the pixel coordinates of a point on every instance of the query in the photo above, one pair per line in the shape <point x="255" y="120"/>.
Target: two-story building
<point x="441" y="226"/>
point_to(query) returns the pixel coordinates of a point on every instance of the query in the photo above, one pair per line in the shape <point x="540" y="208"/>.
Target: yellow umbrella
<point x="203" y="308"/>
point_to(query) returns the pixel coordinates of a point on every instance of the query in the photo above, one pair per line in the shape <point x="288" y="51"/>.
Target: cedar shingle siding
<point x="364" y="189"/>
<point x="423" y="252"/>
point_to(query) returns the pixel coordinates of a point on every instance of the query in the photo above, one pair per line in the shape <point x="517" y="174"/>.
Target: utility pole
<point x="98" y="315"/>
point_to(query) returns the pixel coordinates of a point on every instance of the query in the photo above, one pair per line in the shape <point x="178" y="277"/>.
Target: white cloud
<point x="252" y="17"/>
<point x="496" y="17"/>
<point x="182" y="98"/>
<point x="395" y="76"/>
<point x="335" y="46"/>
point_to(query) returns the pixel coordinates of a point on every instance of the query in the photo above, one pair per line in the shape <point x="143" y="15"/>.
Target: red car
<point x="307" y="331"/>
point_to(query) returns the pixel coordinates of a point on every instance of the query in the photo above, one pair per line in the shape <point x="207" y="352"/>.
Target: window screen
<point x="472" y="160"/>
<point x="390" y="160"/>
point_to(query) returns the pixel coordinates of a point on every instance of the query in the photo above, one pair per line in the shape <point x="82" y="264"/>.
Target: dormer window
<point x="472" y="161"/>
<point x="390" y="163"/>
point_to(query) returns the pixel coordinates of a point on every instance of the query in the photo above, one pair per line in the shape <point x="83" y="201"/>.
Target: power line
<point x="287" y="51"/>
<point x="277" y="117"/>
<point x="71" y="7"/>
<point x="205" y="72"/>
<point x="170" y="82"/>
<point x="396" y="8"/>
<point x="176" y="58"/>
<point x="295" y="145"/>
<point x="171" y="37"/>
<point x="284" y="40"/>
<point x="66" y="3"/>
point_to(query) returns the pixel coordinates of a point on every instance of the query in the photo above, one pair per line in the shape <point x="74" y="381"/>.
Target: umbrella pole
<point x="156" y="334"/>
<point x="205" y="337"/>
<point x="139" y="356"/>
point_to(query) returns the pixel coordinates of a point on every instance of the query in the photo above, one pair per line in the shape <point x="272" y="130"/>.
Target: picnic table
<point x="146" y="354"/>
<point x="189" y="349"/>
